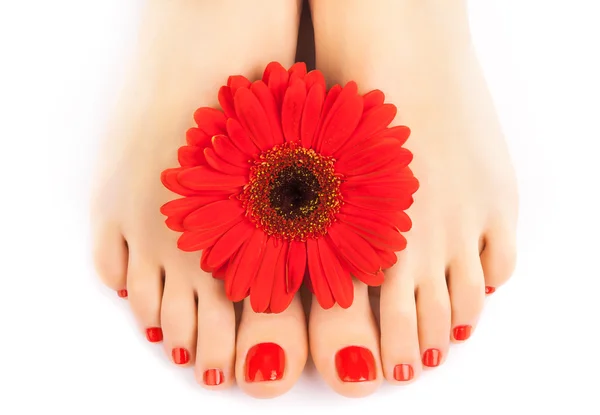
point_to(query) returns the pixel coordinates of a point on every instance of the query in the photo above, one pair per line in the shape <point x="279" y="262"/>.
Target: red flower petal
<point x="177" y="210"/>
<point x="254" y="119"/>
<point x="242" y="271"/>
<point x="214" y="215"/>
<point x="205" y="255"/>
<point x="380" y="158"/>
<point x="270" y="68"/>
<point x="236" y="82"/>
<point x="374" y="203"/>
<point x="315" y="77"/>
<point x="354" y="249"/>
<point x="240" y="138"/>
<point x="229" y="243"/>
<point x="373" y="99"/>
<point x="318" y="278"/>
<point x="210" y="120"/>
<point x="196" y="240"/>
<point x="403" y="222"/>
<point x="291" y="111"/>
<point x="396" y="219"/>
<point x="190" y="156"/>
<point x="170" y="181"/>
<point x="330" y="99"/>
<point x="281" y="297"/>
<point x="399" y="132"/>
<point x="297" y="71"/>
<point x="222" y="166"/>
<point x="225" y="149"/>
<point x="226" y="101"/>
<point x="295" y="266"/>
<point x="380" y="236"/>
<point x="373" y="121"/>
<point x="311" y="115"/>
<point x="262" y="285"/>
<point x="196" y="137"/>
<point x="341" y="120"/>
<point x="219" y="274"/>
<point x="388" y="258"/>
<point x="276" y="77"/>
<point x="267" y="100"/>
<point x="205" y="178"/>
<point x="339" y="281"/>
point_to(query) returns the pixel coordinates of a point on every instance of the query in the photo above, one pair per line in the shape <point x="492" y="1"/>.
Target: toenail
<point x="462" y="332"/>
<point x="355" y="364"/>
<point x="265" y="362"/>
<point x="122" y="293"/>
<point x="180" y="356"/>
<point x="489" y="290"/>
<point x="403" y="372"/>
<point x="432" y="357"/>
<point x="154" y="334"/>
<point x="213" y="377"/>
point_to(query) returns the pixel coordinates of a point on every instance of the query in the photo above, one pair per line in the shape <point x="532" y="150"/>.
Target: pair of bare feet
<point x="461" y="247"/>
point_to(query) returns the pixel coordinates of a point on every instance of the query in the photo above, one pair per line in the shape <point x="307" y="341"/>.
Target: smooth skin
<point x="463" y="239"/>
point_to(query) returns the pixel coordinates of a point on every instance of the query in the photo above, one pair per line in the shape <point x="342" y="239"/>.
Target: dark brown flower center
<point x="295" y="192"/>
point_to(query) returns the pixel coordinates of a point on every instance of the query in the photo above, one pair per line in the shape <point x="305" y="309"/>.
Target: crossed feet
<point x="461" y="247"/>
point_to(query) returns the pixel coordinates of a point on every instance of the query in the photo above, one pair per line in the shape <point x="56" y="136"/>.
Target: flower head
<point x="291" y="179"/>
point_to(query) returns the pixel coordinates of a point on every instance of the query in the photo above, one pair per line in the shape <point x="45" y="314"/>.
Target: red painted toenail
<point x="180" y="356"/>
<point x="213" y="377"/>
<point x="154" y="334"/>
<point x="489" y="290"/>
<point x="432" y="357"/>
<point x="403" y="372"/>
<point x="122" y="293"/>
<point x="462" y="332"/>
<point x="265" y="362"/>
<point x="355" y="364"/>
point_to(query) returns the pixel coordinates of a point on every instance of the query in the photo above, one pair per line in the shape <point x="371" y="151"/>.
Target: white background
<point x="69" y="345"/>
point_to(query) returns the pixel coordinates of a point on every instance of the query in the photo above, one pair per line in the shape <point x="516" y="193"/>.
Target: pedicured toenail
<point x="489" y="290"/>
<point x="432" y="357"/>
<point x="180" y="356"/>
<point x="355" y="364"/>
<point x="154" y="334"/>
<point x="213" y="377"/>
<point x="122" y="293"/>
<point x="403" y="372"/>
<point x="265" y="362"/>
<point x="462" y="332"/>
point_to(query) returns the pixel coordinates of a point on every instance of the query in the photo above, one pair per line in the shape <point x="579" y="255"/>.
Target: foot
<point x="179" y="68"/>
<point x="462" y="244"/>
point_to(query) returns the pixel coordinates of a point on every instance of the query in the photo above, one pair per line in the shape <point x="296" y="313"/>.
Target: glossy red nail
<point x="355" y="364"/>
<point x="403" y="372"/>
<point x="489" y="290"/>
<point x="213" y="377"/>
<point x="432" y="357"/>
<point x="180" y="356"/>
<point x="462" y="332"/>
<point x="265" y="362"/>
<point x="122" y="293"/>
<point x="154" y="334"/>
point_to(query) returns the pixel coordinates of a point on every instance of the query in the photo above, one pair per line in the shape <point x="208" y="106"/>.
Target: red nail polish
<point x="462" y="332"/>
<point x="403" y="372"/>
<point x="180" y="356"/>
<point x="355" y="364"/>
<point x="154" y="334"/>
<point x="122" y="293"/>
<point x="265" y="362"/>
<point x="489" y="290"/>
<point x="213" y="377"/>
<point x="432" y="357"/>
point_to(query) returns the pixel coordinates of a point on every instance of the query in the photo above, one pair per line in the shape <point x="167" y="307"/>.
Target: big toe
<point x="110" y="257"/>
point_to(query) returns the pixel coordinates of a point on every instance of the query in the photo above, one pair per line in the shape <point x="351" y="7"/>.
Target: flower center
<point x="293" y="192"/>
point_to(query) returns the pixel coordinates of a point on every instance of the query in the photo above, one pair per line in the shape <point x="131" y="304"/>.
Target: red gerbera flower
<point x="288" y="179"/>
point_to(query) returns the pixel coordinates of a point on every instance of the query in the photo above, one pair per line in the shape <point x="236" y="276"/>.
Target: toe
<point x="271" y="350"/>
<point x="110" y="258"/>
<point x="345" y="345"/>
<point x="399" y="333"/>
<point x="433" y="314"/>
<point x="145" y="286"/>
<point x="178" y="318"/>
<point x="498" y="258"/>
<point x="467" y="292"/>
<point x="215" y="350"/>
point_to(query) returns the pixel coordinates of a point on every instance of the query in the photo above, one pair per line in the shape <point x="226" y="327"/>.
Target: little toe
<point x="110" y="258"/>
<point x="145" y="287"/>
<point x="498" y="258"/>
<point x="434" y="317"/>
<point x="399" y="333"/>
<point x="271" y="350"/>
<point x="344" y="344"/>
<point x="466" y="287"/>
